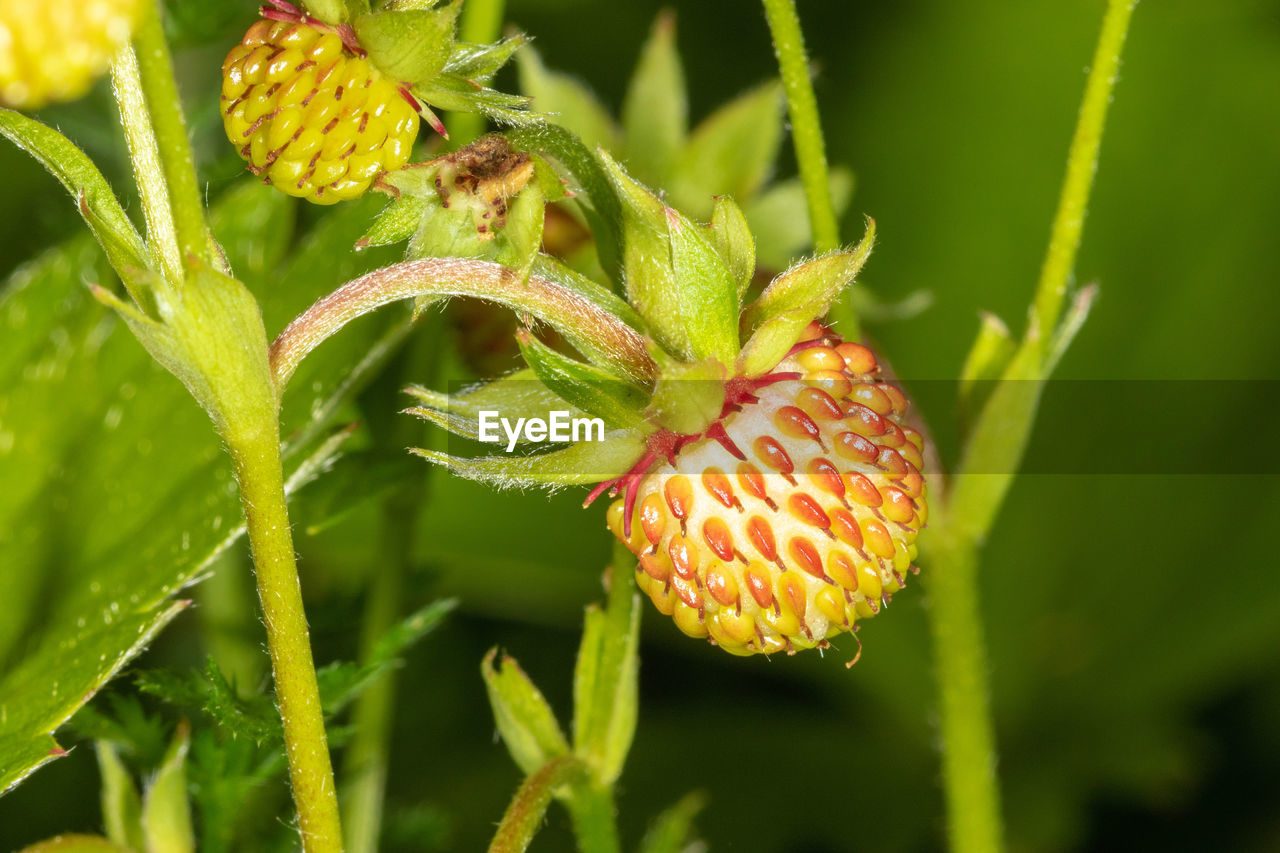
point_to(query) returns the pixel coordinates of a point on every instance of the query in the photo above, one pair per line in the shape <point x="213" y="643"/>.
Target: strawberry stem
<point x="806" y="127"/>
<point x="164" y="109"/>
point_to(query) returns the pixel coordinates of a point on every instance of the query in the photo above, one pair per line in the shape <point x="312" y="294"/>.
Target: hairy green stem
<point x="806" y="127"/>
<point x="960" y="660"/>
<point x="170" y="128"/>
<point x="524" y="815"/>
<point x="968" y="740"/>
<point x="148" y="171"/>
<point x="481" y="23"/>
<point x="1082" y="163"/>
<point x="258" y="470"/>
<point x="593" y="813"/>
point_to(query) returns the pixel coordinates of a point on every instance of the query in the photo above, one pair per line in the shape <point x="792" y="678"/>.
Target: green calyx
<point x="415" y="43"/>
<point x="684" y="284"/>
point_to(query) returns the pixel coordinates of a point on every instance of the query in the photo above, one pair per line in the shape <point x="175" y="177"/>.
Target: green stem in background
<point x="592" y="810"/>
<point x="170" y="128"/>
<point x="960" y="659"/>
<point x="258" y="470"/>
<point x="806" y="127"/>
<point x="148" y="172"/>
<point x="481" y="24"/>
<point x="986" y="472"/>
<point x="366" y="760"/>
<point x="1082" y="163"/>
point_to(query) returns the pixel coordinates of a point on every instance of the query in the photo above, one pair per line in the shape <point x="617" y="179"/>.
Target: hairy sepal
<point x="794" y="299"/>
<point x="618" y="403"/>
<point x="518" y="395"/>
<point x="729" y="232"/>
<point x="674" y="275"/>
<point x="576" y="465"/>
<point x="411" y="46"/>
<point x="524" y="718"/>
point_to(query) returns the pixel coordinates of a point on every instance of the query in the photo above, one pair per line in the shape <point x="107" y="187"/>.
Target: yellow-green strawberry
<point x="53" y="50"/>
<point x="792" y="516"/>
<point x="765" y="474"/>
<point x="311" y="113"/>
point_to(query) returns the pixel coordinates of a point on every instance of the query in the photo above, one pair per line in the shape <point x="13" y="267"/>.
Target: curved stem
<point x="161" y="92"/>
<point x="1082" y="163"/>
<point x="258" y="470"/>
<point x="806" y="127"/>
<point x="524" y="815"/>
<point x="591" y="328"/>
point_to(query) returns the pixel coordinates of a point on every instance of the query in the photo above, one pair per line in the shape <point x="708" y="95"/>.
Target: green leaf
<point x="590" y="389"/>
<point x="576" y="465"/>
<point x="796" y="298"/>
<point x="526" y="722"/>
<point x="121" y="805"/>
<point x="779" y="218"/>
<point x="117" y="492"/>
<point x="731" y="235"/>
<point x="670" y="832"/>
<point x="341" y="683"/>
<point x="655" y="113"/>
<point x="97" y="203"/>
<point x="409" y="45"/>
<point x="166" y="812"/>
<point x="208" y="692"/>
<point x="994" y="447"/>
<point x="606" y="679"/>
<point x="732" y="152"/>
<point x="571" y="103"/>
<point x="706" y="291"/>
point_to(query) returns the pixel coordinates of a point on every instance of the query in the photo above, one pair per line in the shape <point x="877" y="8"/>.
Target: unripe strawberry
<point x="54" y="50"/>
<point x="310" y="113"/>
<point x="794" y="515"/>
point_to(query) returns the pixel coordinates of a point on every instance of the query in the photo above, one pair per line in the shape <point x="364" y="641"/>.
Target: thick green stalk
<point x="806" y="127"/>
<point x="170" y="129"/>
<point x="960" y="659"/>
<point x="481" y="23"/>
<point x="1082" y="163"/>
<point x="593" y="813"/>
<point x="257" y="461"/>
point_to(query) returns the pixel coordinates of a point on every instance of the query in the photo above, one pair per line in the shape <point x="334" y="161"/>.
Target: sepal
<point x="594" y="391"/>
<point x="576" y="465"/>
<point x="793" y="300"/>
<point x="411" y="46"/>
<point x="729" y="232"/>
<point x="524" y="718"/>
<point x="655" y="110"/>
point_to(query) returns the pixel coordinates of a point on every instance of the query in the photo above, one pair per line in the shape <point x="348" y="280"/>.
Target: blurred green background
<point x="1133" y="621"/>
